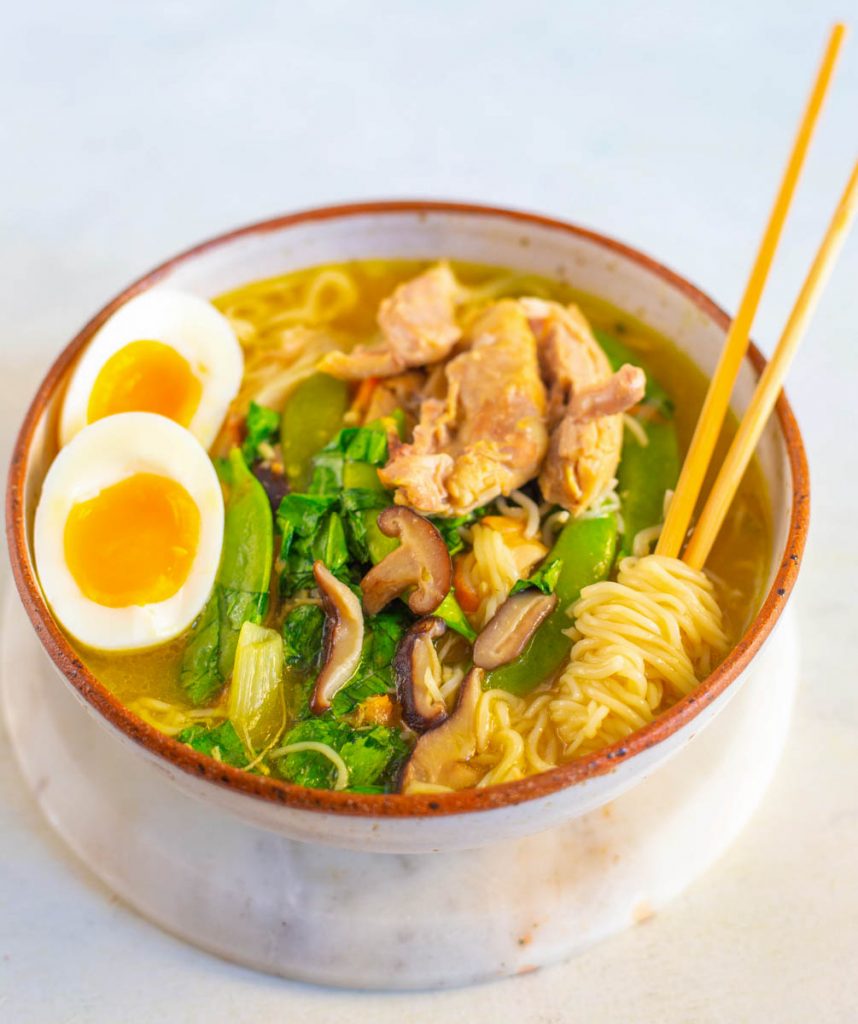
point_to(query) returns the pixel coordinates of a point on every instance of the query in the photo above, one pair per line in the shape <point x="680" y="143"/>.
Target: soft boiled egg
<point x="128" y="532"/>
<point x="164" y="351"/>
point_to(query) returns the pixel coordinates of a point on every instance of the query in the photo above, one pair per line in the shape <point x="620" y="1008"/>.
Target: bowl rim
<point x="396" y="805"/>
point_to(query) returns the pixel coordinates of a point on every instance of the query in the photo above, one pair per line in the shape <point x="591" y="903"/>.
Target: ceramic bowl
<point x="323" y="844"/>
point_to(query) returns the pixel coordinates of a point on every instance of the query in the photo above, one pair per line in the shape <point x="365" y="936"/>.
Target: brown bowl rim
<point x="396" y="804"/>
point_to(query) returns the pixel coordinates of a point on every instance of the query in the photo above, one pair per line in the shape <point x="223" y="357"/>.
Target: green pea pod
<point x="378" y="544"/>
<point x="362" y="476"/>
<point x="646" y="471"/>
<point x="313" y="413"/>
<point x="644" y="474"/>
<point x="586" y="548"/>
<point x="241" y="590"/>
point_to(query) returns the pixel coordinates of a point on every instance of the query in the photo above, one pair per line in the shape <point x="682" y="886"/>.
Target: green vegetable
<point x="302" y="636"/>
<point x="647" y="471"/>
<point x="262" y="424"/>
<point x="359" y="690"/>
<point x="199" y="675"/>
<point x="386" y="630"/>
<point x="360" y="508"/>
<point x="257" y="707"/>
<point x="298" y="517"/>
<point x="373" y="755"/>
<point x="333" y="467"/>
<point x="245" y="565"/>
<point x="585" y="549"/>
<point x="449" y="528"/>
<point x="451" y="612"/>
<point x="221" y="743"/>
<point x="313" y="413"/>
<point x="241" y="590"/>
<point x="337" y="520"/>
<point x="310" y="529"/>
<point x="374" y="674"/>
<point x="363" y="476"/>
<point x="544" y="579"/>
<point x="378" y="544"/>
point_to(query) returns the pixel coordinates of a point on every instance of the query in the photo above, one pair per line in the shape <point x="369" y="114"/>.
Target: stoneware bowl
<point x="395" y="891"/>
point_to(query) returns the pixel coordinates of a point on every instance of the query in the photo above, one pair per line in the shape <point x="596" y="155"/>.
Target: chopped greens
<point x="449" y="528"/>
<point x="351" y="445"/>
<point x="336" y="520"/>
<point x="302" y="636"/>
<point x="373" y="755"/>
<point x="544" y="579"/>
<point x="374" y="674"/>
<point x="221" y="743"/>
<point x="262" y="425"/>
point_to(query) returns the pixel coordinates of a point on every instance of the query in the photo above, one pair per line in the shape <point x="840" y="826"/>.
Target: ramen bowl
<point x="393" y="890"/>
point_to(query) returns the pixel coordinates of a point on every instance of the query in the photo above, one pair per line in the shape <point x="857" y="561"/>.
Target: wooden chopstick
<point x="771" y="382"/>
<point x="717" y="399"/>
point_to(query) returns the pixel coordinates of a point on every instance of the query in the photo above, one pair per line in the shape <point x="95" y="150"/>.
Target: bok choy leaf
<point x="257" y="704"/>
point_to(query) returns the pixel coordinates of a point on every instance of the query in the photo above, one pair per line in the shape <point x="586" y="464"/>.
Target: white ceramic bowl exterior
<point x="313" y="890"/>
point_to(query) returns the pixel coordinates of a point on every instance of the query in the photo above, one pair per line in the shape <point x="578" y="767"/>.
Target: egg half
<point x="164" y="351"/>
<point x="128" y="532"/>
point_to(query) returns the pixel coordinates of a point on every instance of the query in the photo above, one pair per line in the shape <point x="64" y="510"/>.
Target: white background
<point x="128" y="131"/>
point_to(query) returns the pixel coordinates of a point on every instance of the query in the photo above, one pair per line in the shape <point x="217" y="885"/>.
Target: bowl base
<point x="388" y="921"/>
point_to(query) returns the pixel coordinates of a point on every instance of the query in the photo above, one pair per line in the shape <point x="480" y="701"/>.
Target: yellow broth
<point x="740" y="557"/>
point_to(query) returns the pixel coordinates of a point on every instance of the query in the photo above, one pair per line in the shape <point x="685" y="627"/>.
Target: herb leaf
<point x="372" y="755"/>
<point x="302" y="636"/>
<point x="544" y="579"/>
<point x="221" y="743"/>
<point x="262" y="425"/>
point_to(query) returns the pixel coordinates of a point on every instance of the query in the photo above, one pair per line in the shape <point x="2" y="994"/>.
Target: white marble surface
<point x="128" y="131"/>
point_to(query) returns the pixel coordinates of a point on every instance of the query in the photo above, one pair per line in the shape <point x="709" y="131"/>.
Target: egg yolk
<point x="134" y="542"/>
<point x="146" y="376"/>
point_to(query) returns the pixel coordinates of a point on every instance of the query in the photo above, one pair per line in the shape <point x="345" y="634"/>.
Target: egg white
<point x="102" y="454"/>
<point x="189" y="325"/>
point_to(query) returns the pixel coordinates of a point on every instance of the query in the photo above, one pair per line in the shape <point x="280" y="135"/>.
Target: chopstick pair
<point x="717" y="399"/>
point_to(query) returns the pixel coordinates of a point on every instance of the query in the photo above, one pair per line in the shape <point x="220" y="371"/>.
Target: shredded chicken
<point x="403" y="391"/>
<point x="418" y="326"/>
<point x="487" y="436"/>
<point x="584" y="405"/>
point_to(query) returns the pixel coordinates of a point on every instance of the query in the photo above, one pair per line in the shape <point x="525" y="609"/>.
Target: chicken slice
<point x="487" y="435"/>
<point x="404" y="391"/>
<point x="584" y="405"/>
<point x="418" y="326"/>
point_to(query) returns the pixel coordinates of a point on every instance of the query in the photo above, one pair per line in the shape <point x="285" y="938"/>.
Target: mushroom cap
<point x="421" y="561"/>
<point x="511" y="627"/>
<point x="440" y="756"/>
<point x="415" y="660"/>
<point x="343" y="637"/>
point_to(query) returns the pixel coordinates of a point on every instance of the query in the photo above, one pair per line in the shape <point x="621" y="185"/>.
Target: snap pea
<point x="645" y="471"/>
<point x="241" y="589"/>
<point x="586" y="549"/>
<point x="362" y="476"/>
<point x="313" y="413"/>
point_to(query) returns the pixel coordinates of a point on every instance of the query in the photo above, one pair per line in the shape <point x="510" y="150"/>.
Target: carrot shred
<point x="466" y="595"/>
